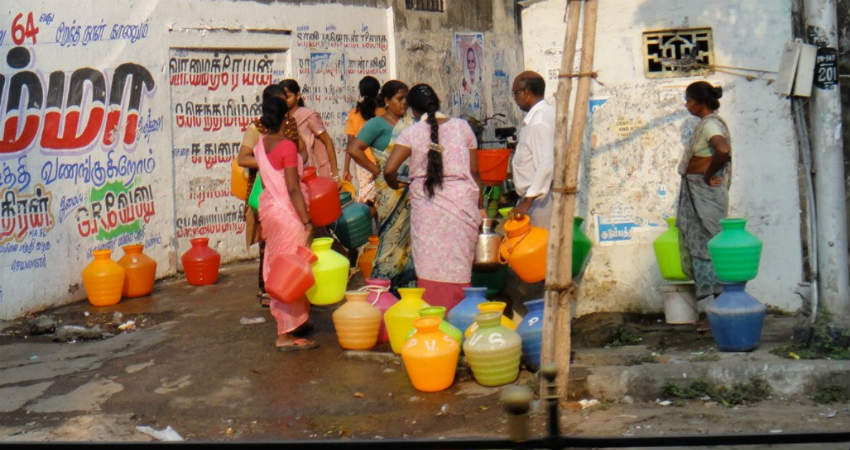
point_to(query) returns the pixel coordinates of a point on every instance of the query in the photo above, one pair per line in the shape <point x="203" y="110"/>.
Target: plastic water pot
<point x="325" y="207"/>
<point x="357" y="322"/>
<point x="238" y="180"/>
<point x="330" y="271"/>
<point x="666" y="247"/>
<point x="735" y="252"/>
<point x="531" y="332"/>
<point x="140" y="271"/>
<point x="201" y="263"/>
<point x="430" y="357"/>
<point x="399" y="317"/>
<point x="355" y="224"/>
<point x="524" y="249"/>
<point x="493" y="351"/>
<point x="103" y="279"/>
<point x="291" y="275"/>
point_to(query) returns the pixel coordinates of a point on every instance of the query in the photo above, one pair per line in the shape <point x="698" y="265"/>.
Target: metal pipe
<point x="828" y="157"/>
<point x="811" y="208"/>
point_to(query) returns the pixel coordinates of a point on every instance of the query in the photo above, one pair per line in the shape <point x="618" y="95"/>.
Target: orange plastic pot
<point x="103" y="279"/>
<point x="430" y="356"/>
<point x="357" y="322"/>
<point x="291" y="275"/>
<point x="493" y="164"/>
<point x="140" y="271"/>
<point x="200" y="263"/>
<point x="524" y="249"/>
<point x="325" y="206"/>
<point x="238" y="180"/>
<point x="367" y="256"/>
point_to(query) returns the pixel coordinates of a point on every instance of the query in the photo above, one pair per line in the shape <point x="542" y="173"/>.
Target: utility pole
<point x="825" y="120"/>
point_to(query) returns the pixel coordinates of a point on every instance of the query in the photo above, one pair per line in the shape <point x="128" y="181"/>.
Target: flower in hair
<point x="435" y="147"/>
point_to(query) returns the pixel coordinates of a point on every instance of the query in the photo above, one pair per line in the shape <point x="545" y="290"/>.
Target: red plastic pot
<point x="325" y="207"/>
<point x="291" y="275"/>
<point x="200" y="263"/>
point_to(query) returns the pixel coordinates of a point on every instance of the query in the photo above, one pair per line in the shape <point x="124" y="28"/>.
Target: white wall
<point x="638" y="128"/>
<point x="51" y="185"/>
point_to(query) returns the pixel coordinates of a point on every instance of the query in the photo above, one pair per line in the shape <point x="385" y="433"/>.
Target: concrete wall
<point x="119" y="124"/>
<point x="638" y="128"/>
<point x="844" y="68"/>
<point x="131" y="117"/>
<point x="430" y="47"/>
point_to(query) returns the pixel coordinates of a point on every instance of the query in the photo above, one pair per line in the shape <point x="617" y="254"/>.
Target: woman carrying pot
<point x="283" y="212"/>
<point x="392" y="205"/>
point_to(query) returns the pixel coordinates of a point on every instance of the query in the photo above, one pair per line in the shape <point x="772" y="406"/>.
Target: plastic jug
<point x="367" y="256"/>
<point x="325" y="207"/>
<point x="430" y="358"/>
<point x="330" y="271"/>
<point x="463" y="314"/>
<point x="445" y="327"/>
<point x="200" y="263"/>
<point x="357" y="322"/>
<point x="140" y="271"/>
<point x="666" y="247"/>
<point x="291" y="275"/>
<point x="399" y="317"/>
<point x="238" y="180"/>
<point x="380" y="297"/>
<point x="355" y="224"/>
<point x="103" y="279"/>
<point x="493" y="351"/>
<point x="483" y="307"/>
<point x="524" y="249"/>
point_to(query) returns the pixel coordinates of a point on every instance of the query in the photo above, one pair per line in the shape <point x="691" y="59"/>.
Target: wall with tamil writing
<point x="638" y="127"/>
<point x="119" y="124"/>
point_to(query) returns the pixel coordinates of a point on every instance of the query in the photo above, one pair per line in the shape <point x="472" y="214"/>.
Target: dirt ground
<point x="189" y="362"/>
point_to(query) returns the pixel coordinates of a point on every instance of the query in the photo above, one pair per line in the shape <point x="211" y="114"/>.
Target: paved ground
<point x="188" y="363"/>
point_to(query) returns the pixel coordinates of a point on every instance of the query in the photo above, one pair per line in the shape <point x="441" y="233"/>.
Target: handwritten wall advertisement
<point x="81" y="165"/>
<point x="109" y="136"/>
<point x="214" y="97"/>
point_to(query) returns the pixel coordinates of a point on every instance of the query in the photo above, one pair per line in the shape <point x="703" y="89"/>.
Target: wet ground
<point x="189" y="363"/>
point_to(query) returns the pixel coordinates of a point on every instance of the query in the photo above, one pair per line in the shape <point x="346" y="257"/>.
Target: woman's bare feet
<point x="288" y="343"/>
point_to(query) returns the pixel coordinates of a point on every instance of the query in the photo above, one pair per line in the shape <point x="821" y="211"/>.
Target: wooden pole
<point x="559" y="285"/>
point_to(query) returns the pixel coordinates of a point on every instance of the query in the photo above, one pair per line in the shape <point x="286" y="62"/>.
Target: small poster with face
<point x="470" y="53"/>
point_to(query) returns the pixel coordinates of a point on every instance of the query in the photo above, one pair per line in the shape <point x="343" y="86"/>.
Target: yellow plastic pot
<point x="399" y="317"/>
<point x="330" y="271"/>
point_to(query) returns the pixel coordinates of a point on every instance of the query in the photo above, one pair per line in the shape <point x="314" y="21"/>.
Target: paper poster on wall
<point x="469" y="49"/>
<point x="329" y="62"/>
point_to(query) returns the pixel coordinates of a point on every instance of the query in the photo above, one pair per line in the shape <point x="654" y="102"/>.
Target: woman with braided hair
<point x="445" y="196"/>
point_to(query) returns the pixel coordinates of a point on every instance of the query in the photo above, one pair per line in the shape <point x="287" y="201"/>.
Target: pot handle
<point x="510" y="248"/>
<point x="376" y="289"/>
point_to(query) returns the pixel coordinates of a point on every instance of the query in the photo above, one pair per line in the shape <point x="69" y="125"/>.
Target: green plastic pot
<point x="735" y="252"/>
<point x="256" y="190"/>
<point x="667" y="255"/>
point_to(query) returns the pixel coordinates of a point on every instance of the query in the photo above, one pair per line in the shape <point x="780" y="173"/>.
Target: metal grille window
<point x="678" y="53"/>
<point x="426" y="5"/>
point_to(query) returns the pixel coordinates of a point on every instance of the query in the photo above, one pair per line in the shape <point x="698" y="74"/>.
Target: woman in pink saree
<point x="445" y="198"/>
<point x="283" y="212"/>
<point x="320" y="146"/>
